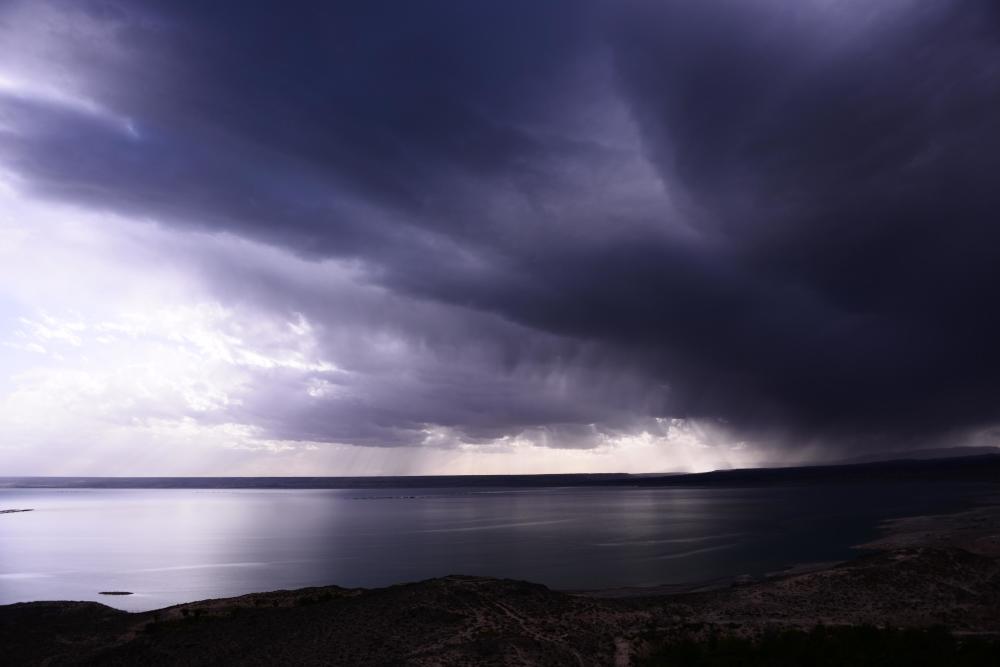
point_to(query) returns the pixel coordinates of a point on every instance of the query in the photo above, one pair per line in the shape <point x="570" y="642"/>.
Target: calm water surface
<point x="170" y="546"/>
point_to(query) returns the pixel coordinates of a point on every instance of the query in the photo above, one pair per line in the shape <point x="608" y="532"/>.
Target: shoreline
<point x="921" y="572"/>
<point x="974" y="527"/>
<point x="960" y="528"/>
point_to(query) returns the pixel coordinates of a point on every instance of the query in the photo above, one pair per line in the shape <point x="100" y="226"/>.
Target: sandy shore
<point x="976" y="530"/>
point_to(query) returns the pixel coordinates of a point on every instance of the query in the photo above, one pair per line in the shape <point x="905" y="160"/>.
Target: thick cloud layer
<point x="564" y="219"/>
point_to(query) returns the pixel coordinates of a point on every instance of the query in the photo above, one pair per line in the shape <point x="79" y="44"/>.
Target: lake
<point x="178" y="545"/>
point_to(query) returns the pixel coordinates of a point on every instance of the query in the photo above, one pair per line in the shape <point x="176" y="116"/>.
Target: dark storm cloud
<point x="272" y="123"/>
<point x="852" y="162"/>
<point x="816" y="261"/>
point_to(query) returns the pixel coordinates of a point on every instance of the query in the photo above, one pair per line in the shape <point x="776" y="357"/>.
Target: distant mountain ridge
<point x="977" y="467"/>
<point x="895" y="455"/>
<point x="980" y="468"/>
<point x="918" y="455"/>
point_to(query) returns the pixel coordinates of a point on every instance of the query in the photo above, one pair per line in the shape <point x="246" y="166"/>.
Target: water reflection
<point x="171" y="546"/>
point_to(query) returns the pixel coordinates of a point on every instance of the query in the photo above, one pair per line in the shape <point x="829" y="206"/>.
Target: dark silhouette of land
<point x="469" y="620"/>
<point x="975" y="468"/>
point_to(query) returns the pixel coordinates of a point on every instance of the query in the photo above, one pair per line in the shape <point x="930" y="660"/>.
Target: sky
<point x="462" y="236"/>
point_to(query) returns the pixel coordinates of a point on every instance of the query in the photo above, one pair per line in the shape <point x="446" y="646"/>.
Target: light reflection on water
<point x="170" y="546"/>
